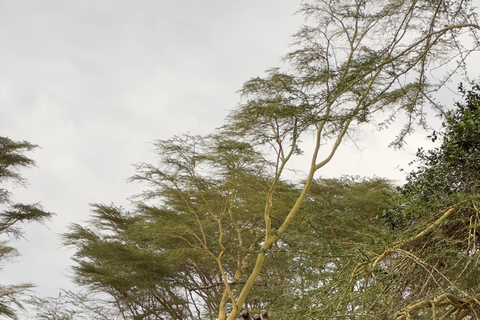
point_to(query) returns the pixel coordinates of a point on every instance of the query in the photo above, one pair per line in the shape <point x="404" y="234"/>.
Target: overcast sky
<point x="94" y="83"/>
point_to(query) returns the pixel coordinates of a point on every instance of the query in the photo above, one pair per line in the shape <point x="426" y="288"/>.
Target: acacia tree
<point x="356" y="61"/>
<point x="161" y="259"/>
<point x="12" y="158"/>
<point x="358" y="249"/>
<point x="200" y="214"/>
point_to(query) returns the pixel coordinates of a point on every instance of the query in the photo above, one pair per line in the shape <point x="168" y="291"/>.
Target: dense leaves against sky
<point x="12" y="159"/>
<point x="454" y="166"/>
<point x="446" y="179"/>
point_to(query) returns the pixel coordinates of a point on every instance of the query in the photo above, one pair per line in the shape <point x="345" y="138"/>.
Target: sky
<point x="95" y="83"/>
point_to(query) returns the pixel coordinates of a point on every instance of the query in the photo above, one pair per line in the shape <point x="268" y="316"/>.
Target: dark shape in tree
<point x="245" y="315"/>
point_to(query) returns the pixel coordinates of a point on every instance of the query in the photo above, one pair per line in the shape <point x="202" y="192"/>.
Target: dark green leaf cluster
<point x="436" y="256"/>
<point x="12" y="159"/>
<point x="454" y="166"/>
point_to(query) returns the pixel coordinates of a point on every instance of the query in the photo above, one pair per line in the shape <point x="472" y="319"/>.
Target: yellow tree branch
<point x="417" y="237"/>
<point x="460" y="305"/>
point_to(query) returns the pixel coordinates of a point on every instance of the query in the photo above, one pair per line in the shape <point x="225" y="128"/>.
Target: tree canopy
<point x="12" y="159"/>
<point x="221" y="227"/>
<point x="360" y="248"/>
<point x="446" y="179"/>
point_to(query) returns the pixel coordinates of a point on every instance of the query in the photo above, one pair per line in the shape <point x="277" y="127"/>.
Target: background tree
<point x="70" y="305"/>
<point x="151" y="253"/>
<point x="12" y="159"/>
<point x="198" y="216"/>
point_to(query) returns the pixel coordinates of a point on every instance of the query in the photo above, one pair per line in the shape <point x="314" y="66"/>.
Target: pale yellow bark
<point x="417" y="237"/>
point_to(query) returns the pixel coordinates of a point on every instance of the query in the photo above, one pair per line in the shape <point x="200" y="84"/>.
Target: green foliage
<point x="359" y="248"/>
<point x="453" y="167"/>
<point x="435" y="257"/>
<point x="169" y="248"/>
<point x="12" y="159"/>
<point x="112" y="258"/>
<point x="162" y="259"/>
<point x="363" y="250"/>
<point x="354" y="62"/>
<point x="223" y="226"/>
<point x="313" y="263"/>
